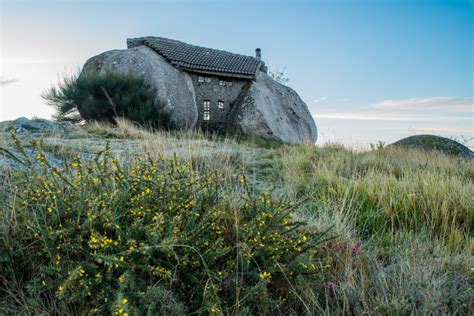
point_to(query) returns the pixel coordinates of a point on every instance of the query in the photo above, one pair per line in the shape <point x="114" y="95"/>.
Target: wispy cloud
<point x="6" y="80"/>
<point x="351" y="116"/>
<point x="27" y="60"/>
<point x="320" y="100"/>
<point x="372" y="115"/>
<point x="444" y="129"/>
<point x="445" y="104"/>
<point x="414" y="109"/>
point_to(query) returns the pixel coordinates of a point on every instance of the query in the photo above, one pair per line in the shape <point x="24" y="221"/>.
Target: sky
<point x="368" y="70"/>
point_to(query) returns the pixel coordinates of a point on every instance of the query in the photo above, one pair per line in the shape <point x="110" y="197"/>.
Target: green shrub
<point x="153" y="236"/>
<point x="104" y="97"/>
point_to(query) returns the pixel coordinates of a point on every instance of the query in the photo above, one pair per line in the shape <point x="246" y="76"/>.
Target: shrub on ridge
<point x="104" y="97"/>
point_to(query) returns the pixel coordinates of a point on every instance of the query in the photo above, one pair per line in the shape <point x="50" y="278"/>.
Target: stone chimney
<point x="258" y="54"/>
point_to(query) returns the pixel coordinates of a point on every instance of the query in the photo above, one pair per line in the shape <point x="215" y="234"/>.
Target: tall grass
<point x="391" y="190"/>
<point x="412" y="213"/>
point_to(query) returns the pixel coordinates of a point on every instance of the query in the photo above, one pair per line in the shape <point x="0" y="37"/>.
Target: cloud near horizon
<point x="6" y="80"/>
<point x="445" y="104"/>
<point x="443" y="129"/>
<point x="413" y="109"/>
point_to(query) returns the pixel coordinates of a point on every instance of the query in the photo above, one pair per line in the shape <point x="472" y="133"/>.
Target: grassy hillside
<point x="243" y="226"/>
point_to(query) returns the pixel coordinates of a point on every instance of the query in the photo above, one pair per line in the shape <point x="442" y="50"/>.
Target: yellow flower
<point x="265" y="275"/>
<point x="215" y="309"/>
<point x="124" y="301"/>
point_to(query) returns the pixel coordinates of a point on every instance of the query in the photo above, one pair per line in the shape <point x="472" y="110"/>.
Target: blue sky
<point x="368" y="70"/>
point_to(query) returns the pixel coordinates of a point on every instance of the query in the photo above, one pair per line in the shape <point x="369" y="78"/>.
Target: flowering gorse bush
<point x="100" y="236"/>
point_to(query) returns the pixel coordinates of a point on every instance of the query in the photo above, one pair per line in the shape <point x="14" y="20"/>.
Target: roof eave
<point x="217" y="73"/>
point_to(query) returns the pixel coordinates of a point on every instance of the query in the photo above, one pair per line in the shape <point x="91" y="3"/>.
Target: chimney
<point x="258" y="54"/>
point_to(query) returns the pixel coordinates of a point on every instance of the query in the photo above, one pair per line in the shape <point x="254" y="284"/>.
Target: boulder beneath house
<point x="174" y="87"/>
<point x="271" y="110"/>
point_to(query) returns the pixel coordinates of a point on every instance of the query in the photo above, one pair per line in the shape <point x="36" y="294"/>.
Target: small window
<point x="206" y="110"/>
<point x="225" y="82"/>
<point x="202" y="79"/>
<point x="220" y="104"/>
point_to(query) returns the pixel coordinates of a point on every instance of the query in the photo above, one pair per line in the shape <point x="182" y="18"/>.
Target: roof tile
<point x="201" y="59"/>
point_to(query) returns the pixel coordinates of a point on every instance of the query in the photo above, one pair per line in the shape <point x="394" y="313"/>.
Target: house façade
<point x="218" y="76"/>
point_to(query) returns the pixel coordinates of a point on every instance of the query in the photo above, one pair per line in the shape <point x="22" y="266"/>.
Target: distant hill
<point x="436" y="143"/>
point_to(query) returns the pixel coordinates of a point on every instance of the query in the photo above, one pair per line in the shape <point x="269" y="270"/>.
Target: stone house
<point x="218" y="76"/>
<point x="212" y="89"/>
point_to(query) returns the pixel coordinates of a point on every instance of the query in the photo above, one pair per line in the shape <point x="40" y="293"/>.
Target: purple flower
<point x="332" y="286"/>
<point x="356" y="248"/>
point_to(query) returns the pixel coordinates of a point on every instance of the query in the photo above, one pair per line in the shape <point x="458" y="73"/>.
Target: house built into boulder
<point x="218" y="76"/>
<point x="213" y="89"/>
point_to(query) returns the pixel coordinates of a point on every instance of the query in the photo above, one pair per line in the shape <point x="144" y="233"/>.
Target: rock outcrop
<point x="174" y="87"/>
<point x="26" y="131"/>
<point x="35" y="126"/>
<point x="271" y="110"/>
<point x="436" y="144"/>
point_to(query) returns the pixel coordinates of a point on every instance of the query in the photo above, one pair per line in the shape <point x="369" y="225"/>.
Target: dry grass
<point x="206" y="151"/>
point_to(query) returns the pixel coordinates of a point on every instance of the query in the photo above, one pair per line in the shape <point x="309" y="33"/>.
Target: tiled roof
<point x="200" y="59"/>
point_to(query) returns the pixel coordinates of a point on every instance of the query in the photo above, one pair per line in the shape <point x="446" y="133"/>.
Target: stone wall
<point x="211" y="90"/>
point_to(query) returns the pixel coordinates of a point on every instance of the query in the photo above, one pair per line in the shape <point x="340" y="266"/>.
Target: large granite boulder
<point x="274" y="111"/>
<point x="174" y="87"/>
